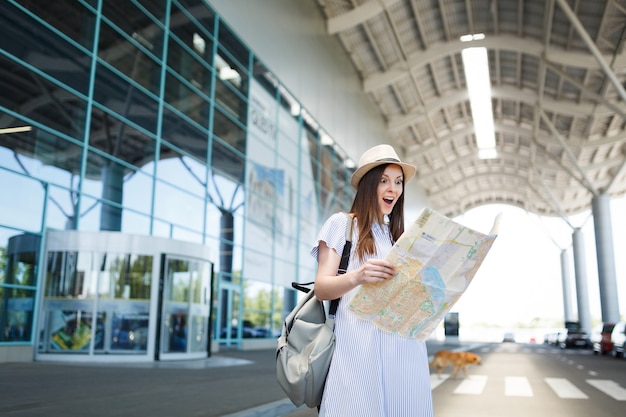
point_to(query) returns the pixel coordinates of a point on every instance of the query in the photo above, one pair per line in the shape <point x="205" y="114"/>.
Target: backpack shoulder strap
<point x="343" y="265"/>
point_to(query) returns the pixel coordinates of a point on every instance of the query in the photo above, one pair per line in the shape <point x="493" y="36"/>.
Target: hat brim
<point x="408" y="171"/>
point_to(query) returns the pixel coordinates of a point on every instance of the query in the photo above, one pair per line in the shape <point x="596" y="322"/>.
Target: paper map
<point x="436" y="259"/>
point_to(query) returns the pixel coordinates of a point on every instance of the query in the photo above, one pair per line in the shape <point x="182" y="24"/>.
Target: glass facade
<point x="151" y="117"/>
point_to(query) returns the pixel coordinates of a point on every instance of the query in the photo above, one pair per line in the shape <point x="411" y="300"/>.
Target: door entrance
<point x="229" y="313"/>
<point x="185" y="308"/>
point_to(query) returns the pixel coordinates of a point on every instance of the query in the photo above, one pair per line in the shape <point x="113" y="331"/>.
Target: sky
<point x="520" y="279"/>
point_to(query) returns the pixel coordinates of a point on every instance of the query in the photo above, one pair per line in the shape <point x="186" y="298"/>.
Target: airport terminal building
<point x="161" y="185"/>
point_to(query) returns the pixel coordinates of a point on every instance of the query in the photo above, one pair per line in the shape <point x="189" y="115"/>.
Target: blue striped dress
<point x="373" y="372"/>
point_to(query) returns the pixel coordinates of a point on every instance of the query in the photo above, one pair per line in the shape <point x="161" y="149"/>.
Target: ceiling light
<point x="18" y="129"/>
<point x="476" y="68"/>
<point x="474" y="37"/>
<point x="487" y="153"/>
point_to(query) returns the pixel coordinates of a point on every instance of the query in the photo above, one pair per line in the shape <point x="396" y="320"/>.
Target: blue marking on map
<point x="432" y="278"/>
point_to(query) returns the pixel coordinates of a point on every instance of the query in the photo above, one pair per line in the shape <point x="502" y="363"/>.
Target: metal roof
<point x="557" y="71"/>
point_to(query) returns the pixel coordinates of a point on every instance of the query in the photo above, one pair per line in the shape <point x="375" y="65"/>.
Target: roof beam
<point x="396" y="123"/>
<point x="584" y="180"/>
<point x="592" y="46"/>
<point x="357" y="16"/>
<point x="508" y="43"/>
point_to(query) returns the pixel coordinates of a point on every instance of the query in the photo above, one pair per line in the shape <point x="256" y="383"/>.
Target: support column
<point x="609" y="303"/>
<point x="580" y="270"/>
<point x="566" y="279"/>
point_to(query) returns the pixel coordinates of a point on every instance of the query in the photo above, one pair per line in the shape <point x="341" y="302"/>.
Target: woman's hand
<point x="374" y="270"/>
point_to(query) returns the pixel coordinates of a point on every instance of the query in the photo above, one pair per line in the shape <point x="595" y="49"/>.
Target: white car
<point x="618" y="337"/>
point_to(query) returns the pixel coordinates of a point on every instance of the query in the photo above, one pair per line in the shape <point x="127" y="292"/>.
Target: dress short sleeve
<point x="333" y="233"/>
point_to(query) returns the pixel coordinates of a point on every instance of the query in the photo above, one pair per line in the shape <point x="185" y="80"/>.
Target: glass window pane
<point x="69" y="275"/>
<point x="125" y="98"/>
<point x="119" y="139"/>
<point x="137" y="63"/>
<point x="125" y="276"/>
<point x="233" y="50"/>
<point x="257" y="305"/>
<point x="230" y="131"/>
<point x="16" y="314"/>
<point x="26" y="207"/>
<point x="185" y="135"/>
<point x="201" y="13"/>
<point x="190" y="100"/>
<point x="178" y="280"/>
<point x="21" y="259"/>
<point x="129" y="332"/>
<point x="229" y="99"/>
<point x="182" y="171"/>
<point x="70" y="331"/>
<point x="190" y="51"/>
<point x="29" y="95"/>
<point x="178" y="207"/>
<point x="128" y="18"/>
<point x="68" y="16"/>
<point x="199" y="333"/>
<point x="109" y="180"/>
<point x="45" y="50"/>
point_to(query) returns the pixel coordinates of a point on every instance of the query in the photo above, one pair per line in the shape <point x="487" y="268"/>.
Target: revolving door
<point x="109" y="296"/>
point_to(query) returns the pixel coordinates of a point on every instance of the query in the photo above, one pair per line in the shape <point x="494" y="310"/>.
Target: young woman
<point x="373" y="372"/>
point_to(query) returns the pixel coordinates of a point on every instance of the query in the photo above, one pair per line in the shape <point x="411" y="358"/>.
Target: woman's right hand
<point x="374" y="270"/>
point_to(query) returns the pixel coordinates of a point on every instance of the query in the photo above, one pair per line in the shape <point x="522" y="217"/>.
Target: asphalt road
<point x="521" y="380"/>
<point x="518" y="380"/>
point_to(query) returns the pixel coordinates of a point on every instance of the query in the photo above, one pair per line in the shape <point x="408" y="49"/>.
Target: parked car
<point x="574" y="338"/>
<point x="618" y="337"/>
<point x="601" y="338"/>
<point x="508" y="338"/>
<point x="552" y="339"/>
<point x="248" y="331"/>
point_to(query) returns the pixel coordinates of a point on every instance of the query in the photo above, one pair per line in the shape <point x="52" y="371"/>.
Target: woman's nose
<point x="396" y="187"/>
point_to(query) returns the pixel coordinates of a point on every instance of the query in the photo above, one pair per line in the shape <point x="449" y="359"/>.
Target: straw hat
<point x="380" y="155"/>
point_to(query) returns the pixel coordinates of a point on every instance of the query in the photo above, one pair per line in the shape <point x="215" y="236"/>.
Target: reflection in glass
<point x="182" y="171"/>
<point x="229" y="130"/>
<point x="70" y="330"/>
<point x="177" y="326"/>
<point x="119" y="139"/>
<point x="70" y="17"/>
<point x="125" y="98"/>
<point x="186" y="135"/>
<point x="188" y="99"/>
<point x="132" y="58"/>
<point x="129" y="332"/>
<point x="178" y="207"/>
<point x="108" y="180"/>
<point x="68" y="275"/>
<point x="199" y="333"/>
<point x="257" y="306"/>
<point x="186" y="306"/>
<point x="24" y="212"/>
<point x="125" y="276"/>
<point x="227" y="163"/>
<point x="43" y="48"/>
<point x="16" y="314"/>
<point x="141" y="27"/>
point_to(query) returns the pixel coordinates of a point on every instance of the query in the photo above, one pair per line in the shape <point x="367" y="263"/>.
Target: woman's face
<point x="389" y="188"/>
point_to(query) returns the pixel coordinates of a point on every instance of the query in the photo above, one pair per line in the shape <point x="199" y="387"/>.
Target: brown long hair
<point x="365" y="208"/>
